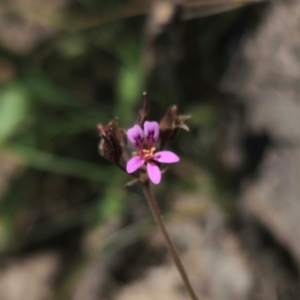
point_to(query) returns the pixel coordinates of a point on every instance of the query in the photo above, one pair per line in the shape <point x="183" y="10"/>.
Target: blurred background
<point x="68" y="227"/>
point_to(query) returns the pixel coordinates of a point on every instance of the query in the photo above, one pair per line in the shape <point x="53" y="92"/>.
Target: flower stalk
<point x="160" y="223"/>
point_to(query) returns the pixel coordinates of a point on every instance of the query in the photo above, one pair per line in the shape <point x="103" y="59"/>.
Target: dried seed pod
<point x="144" y="112"/>
<point x="110" y="147"/>
<point x="171" y="123"/>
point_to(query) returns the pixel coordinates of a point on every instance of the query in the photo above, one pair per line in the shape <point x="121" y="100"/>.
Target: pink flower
<point x="149" y="136"/>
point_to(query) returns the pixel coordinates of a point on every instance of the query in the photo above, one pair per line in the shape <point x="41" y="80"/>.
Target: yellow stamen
<point x="148" y="154"/>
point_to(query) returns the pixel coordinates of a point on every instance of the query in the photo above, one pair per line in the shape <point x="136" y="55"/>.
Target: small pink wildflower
<point x="137" y="136"/>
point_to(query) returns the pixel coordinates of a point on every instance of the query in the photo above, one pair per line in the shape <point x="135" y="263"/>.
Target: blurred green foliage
<point x="49" y="108"/>
<point x="89" y="71"/>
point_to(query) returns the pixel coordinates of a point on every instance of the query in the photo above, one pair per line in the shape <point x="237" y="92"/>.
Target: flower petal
<point x="133" y="164"/>
<point x="153" y="172"/>
<point x="136" y="136"/>
<point x="166" y="157"/>
<point x="151" y="130"/>
<point x="101" y="130"/>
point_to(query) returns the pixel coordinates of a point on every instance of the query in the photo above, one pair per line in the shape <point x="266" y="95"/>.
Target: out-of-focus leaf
<point x="14" y="106"/>
<point x="203" y="115"/>
<point x="55" y="226"/>
<point x="53" y="163"/>
<point x="6" y="231"/>
<point x="203" y="8"/>
<point x="72" y="46"/>
<point x="112" y="204"/>
<point x="129" y="85"/>
<point x="129" y="81"/>
<point x="45" y="91"/>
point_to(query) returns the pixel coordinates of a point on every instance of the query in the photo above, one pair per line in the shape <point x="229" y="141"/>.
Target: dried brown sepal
<point x="171" y="123"/>
<point x="144" y="112"/>
<point x="110" y="147"/>
<point x="119" y="132"/>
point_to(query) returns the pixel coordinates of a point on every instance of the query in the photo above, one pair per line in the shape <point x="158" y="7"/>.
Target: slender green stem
<point x="157" y="215"/>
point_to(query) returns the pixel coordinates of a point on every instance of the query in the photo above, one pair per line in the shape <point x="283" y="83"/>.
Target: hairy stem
<point x="157" y="215"/>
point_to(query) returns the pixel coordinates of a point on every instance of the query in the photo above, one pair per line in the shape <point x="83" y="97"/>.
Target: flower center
<point x="148" y="154"/>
